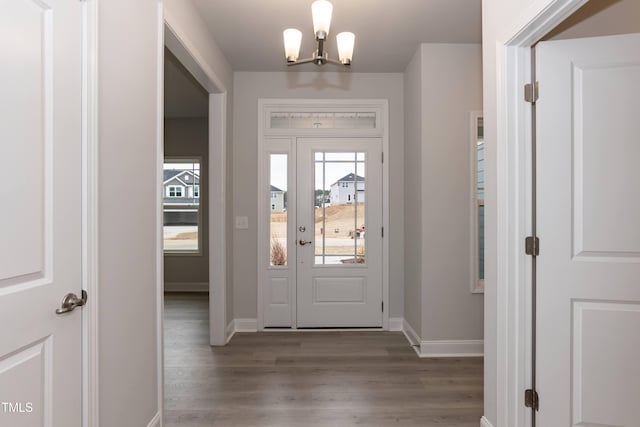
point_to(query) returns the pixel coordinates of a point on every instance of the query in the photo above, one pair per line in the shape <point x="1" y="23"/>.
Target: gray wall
<point x="248" y="87"/>
<point x="190" y="137"/>
<point x="451" y="89"/>
<point x="443" y="85"/>
<point x="128" y="67"/>
<point x="600" y="18"/>
<point x="413" y="205"/>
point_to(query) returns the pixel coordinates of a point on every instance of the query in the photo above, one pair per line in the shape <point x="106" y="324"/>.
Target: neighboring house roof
<point x="275" y="189"/>
<point x="169" y="174"/>
<point x="350" y="178"/>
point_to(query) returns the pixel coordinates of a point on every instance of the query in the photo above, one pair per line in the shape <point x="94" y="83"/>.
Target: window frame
<point x="169" y="206"/>
<point x="476" y="284"/>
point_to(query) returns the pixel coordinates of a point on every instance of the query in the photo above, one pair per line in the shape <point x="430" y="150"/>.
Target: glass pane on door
<point x="278" y="210"/>
<point x="339" y="198"/>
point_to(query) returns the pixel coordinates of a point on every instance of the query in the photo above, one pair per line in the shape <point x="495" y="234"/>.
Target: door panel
<point x="339" y="275"/>
<point x="40" y="219"/>
<point x="589" y="205"/>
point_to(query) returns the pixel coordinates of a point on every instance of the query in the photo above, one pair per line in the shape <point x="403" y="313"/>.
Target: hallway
<point x="281" y="379"/>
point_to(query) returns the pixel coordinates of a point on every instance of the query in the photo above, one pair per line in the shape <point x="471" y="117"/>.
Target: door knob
<point x="71" y="301"/>
<point x="304" y="242"/>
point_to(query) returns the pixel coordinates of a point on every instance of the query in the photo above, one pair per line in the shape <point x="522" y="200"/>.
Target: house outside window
<point x="181" y="206"/>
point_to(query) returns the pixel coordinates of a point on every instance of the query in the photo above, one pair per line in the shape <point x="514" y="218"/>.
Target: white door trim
<point x="177" y="41"/>
<point x="90" y="326"/>
<point x="513" y="195"/>
<point x="381" y="131"/>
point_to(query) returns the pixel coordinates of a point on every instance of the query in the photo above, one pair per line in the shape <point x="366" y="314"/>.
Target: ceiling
<point x="183" y="95"/>
<point x="249" y="32"/>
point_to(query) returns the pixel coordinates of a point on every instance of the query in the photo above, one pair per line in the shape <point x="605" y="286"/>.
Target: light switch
<point x="242" y="222"/>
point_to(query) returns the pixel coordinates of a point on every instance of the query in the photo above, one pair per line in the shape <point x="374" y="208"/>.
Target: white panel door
<point x="338" y="236"/>
<point x="41" y="212"/>
<point x="589" y="229"/>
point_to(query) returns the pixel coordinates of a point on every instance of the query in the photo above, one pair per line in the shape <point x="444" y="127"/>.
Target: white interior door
<point x="589" y="229"/>
<point x="40" y="218"/>
<point x="338" y="235"/>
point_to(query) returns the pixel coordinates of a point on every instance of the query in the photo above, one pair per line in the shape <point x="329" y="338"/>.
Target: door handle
<point x="304" y="242"/>
<point x="71" y="301"/>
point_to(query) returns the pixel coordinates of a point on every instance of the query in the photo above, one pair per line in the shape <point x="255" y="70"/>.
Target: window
<point x="174" y="191"/>
<point x="181" y="206"/>
<point x="477" y="150"/>
<point x="278" y="217"/>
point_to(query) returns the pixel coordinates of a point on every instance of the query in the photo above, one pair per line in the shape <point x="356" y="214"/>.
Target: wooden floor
<point x="282" y="379"/>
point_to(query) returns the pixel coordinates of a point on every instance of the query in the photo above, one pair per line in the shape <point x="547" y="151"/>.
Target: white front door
<point x="41" y="214"/>
<point x="338" y="232"/>
<point x="588" y="172"/>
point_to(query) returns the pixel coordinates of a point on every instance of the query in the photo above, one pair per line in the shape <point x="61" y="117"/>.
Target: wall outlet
<point x="242" y="222"/>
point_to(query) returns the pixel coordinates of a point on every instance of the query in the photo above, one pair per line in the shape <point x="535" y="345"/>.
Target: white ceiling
<point x="388" y="32"/>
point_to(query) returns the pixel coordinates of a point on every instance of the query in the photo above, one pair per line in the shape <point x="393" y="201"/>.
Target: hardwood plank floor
<point x="299" y="379"/>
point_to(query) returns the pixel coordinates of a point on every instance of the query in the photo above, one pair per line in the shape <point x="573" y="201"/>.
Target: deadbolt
<point x="302" y="228"/>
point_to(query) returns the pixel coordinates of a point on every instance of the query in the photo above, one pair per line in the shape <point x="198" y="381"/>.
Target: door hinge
<point x="532" y="246"/>
<point x="383" y="306"/>
<point x="531" y="399"/>
<point x="531" y="92"/>
<point x="382" y="231"/>
<point x="382" y="157"/>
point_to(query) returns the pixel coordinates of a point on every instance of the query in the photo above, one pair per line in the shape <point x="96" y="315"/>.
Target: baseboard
<point x="484" y="422"/>
<point x="186" y="287"/>
<point x="156" y="421"/>
<point x="395" y="323"/>
<point x="411" y="336"/>
<point x="453" y="348"/>
<point x="246" y="325"/>
<point x="229" y="331"/>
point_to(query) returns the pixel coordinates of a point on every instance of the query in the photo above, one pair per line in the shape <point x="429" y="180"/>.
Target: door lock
<point x="71" y="301"/>
<point x="302" y="228"/>
<point x="304" y="242"/>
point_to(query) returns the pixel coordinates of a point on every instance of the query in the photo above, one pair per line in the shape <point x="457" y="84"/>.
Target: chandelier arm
<point x="336" y="62"/>
<point x="301" y="61"/>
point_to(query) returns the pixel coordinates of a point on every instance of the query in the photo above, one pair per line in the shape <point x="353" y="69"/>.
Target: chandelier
<point x="321" y="11"/>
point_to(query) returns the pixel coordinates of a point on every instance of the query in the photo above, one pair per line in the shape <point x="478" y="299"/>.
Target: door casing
<point x="512" y="148"/>
<point x="267" y="105"/>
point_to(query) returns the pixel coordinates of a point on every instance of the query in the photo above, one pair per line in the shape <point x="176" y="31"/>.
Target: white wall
<point x="413" y="205"/>
<point x="128" y="105"/>
<point x="248" y="87"/>
<point x="451" y="90"/>
<point x="183" y="17"/>
<point x="189" y="137"/>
